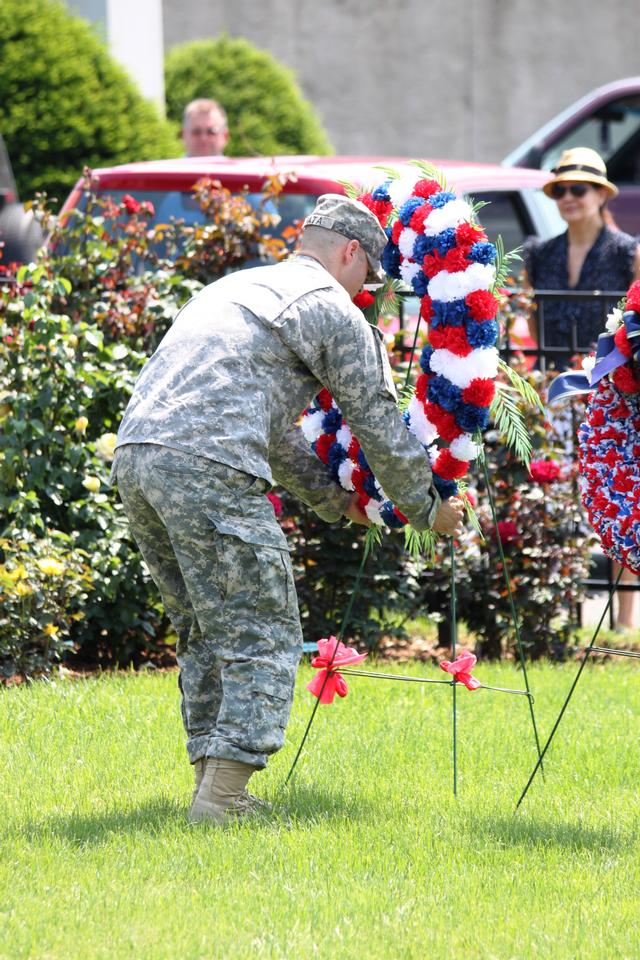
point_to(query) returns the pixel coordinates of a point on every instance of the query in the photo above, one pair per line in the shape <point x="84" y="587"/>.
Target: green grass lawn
<point x="371" y="856"/>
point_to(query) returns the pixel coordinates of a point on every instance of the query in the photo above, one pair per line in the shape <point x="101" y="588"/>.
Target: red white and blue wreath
<point x="435" y="247"/>
<point x="609" y="439"/>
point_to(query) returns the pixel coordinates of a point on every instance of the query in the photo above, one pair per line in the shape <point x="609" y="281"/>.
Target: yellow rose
<point x="81" y="424"/>
<point x="91" y="483"/>
<point x="105" y="445"/>
<point x="51" y="567"/>
<point x="51" y="630"/>
<point x="23" y="590"/>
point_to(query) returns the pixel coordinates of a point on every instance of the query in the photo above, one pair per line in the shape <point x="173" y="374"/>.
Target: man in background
<point x="204" y="129"/>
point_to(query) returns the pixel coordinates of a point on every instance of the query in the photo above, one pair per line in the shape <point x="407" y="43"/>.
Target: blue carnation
<point x="472" y="418"/>
<point x="423" y="247"/>
<point x="446" y="488"/>
<point x="382" y="192"/>
<point x="452" y="314"/>
<point x="391" y="260"/>
<point x="441" y="391"/>
<point x="362" y="460"/>
<point x="408" y="209"/>
<point x="482" y="334"/>
<point x="420" y="284"/>
<point x="445" y="241"/>
<point x="425" y="359"/>
<point x="483" y="252"/>
<point x="440" y="199"/>
<point x="337" y="455"/>
<point x="389" y="516"/>
<point x="369" y="486"/>
<point x="332" y="420"/>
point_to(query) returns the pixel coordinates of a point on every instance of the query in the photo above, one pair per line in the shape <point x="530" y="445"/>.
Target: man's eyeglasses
<point x="558" y="190"/>
<point x="206" y="131"/>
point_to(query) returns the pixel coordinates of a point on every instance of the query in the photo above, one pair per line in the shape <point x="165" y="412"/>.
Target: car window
<point x="614" y="132"/>
<point x="504" y="215"/>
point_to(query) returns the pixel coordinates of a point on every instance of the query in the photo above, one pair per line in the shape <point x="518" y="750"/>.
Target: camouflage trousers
<point x="218" y="556"/>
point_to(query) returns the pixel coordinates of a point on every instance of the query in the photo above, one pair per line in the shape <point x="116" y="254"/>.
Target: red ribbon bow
<point x="327" y="682"/>
<point x="460" y="669"/>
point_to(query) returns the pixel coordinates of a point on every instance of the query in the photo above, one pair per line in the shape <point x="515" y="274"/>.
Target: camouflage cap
<point x="353" y="220"/>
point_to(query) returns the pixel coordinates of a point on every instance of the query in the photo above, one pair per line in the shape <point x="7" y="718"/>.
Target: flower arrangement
<point x="609" y="438"/>
<point x="437" y="249"/>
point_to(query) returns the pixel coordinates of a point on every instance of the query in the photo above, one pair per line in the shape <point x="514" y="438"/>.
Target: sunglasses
<point x="558" y="190"/>
<point x="208" y="131"/>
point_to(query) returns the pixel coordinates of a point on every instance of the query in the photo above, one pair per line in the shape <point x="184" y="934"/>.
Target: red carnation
<point x="130" y="204"/>
<point x="633" y="297"/>
<point x="419" y="216"/>
<point x="322" y="445"/>
<point x="597" y="418"/>
<point x="626" y="381"/>
<point x="426" y="188"/>
<point x="379" y="208"/>
<point x="432" y="264"/>
<point x="400" y="515"/>
<point x="622" y="341"/>
<point x="426" y="308"/>
<point x="544" y="471"/>
<point x="422" y="385"/>
<point x="325" y="399"/>
<point x="449" y="467"/>
<point x="443" y="421"/>
<point x="456" y="259"/>
<point x="396" y="230"/>
<point x="358" y="477"/>
<point x="507" y="531"/>
<point x="363" y="299"/>
<point x="482" y="305"/>
<point x="469" y="233"/>
<point x="354" y="449"/>
<point x="480" y="392"/>
<point x="450" y="338"/>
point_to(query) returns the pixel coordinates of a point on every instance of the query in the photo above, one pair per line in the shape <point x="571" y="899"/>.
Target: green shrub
<point x="64" y="102"/>
<point x="266" y="110"/>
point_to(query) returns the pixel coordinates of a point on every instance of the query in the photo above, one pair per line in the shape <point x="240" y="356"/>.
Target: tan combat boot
<point x="198" y="769"/>
<point x="222" y="795"/>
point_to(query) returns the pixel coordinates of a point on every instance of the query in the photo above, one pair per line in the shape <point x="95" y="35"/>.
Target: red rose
<point x="544" y="471"/>
<point x="480" y="392"/>
<point x="148" y="208"/>
<point x="482" y="305"/>
<point x="507" y="531"/>
<point x="130" y="204"/>
<point x="276" y="503"/>
<point x="450" y="338"/>
<point x="363" y="299"/>
<point x="633" y="297"/>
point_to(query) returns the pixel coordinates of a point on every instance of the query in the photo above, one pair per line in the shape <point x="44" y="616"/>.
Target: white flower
<point x="588" y="363"/>
<point x="614" y="320"/>
<point x="106" y="446"/>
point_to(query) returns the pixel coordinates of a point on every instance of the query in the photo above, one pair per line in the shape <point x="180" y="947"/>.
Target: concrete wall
<point x="466" y="79"/>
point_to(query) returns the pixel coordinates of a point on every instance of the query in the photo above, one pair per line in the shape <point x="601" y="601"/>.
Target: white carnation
<point x="455" y="286"/>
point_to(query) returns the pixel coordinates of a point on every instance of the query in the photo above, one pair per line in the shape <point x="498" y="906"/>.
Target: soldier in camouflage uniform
<point x="210" y="426"/>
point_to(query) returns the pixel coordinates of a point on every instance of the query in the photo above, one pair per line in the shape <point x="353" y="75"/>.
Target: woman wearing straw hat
<point x="589" y="255"/>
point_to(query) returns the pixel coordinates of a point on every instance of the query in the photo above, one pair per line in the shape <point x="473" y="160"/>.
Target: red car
<point x="517" y="207"/>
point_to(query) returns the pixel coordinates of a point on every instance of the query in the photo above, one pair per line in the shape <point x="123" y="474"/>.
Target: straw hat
<point x="581" y="164"/>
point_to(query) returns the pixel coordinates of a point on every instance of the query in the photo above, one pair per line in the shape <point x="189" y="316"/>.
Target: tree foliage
<point x="266" y="110"/>
<point x="64" y="102"/>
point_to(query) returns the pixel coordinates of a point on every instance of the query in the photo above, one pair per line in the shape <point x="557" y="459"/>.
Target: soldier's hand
<point x="355" y="514"/>
<point x="449" y="517"/>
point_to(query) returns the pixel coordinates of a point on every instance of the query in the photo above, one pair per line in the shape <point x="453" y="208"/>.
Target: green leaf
<point x="510" y="422"/>
<point x="528" y="393"/>
<point x="95" y="338"/>
<point x="430" y="172"/>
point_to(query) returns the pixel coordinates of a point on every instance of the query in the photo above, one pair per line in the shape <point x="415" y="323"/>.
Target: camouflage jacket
<point x="242" y="360"/>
